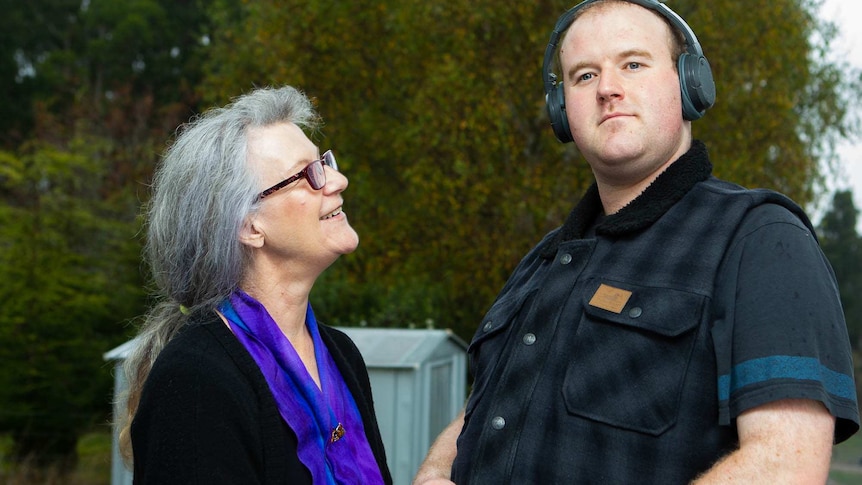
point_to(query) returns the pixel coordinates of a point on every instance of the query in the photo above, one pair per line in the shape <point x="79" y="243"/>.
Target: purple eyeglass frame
<point x="313" y="172"/>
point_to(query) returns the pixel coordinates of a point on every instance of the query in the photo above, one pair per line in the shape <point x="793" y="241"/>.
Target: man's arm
<point x="437" y="467"/>
<point x="787" y="441"/>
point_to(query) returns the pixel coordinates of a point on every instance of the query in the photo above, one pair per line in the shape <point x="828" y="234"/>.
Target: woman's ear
<point x="250" y="234"/>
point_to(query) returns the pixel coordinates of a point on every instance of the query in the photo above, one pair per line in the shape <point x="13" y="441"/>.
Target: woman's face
<point x="296" y="224"/>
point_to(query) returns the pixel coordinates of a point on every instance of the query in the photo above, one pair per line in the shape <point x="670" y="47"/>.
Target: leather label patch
<point x="610" y="298"/>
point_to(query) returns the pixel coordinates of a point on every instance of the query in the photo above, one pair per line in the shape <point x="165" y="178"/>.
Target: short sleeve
<point x="779" y="329"/>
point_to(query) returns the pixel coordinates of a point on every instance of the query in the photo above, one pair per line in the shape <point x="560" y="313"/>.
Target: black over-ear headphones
<point x="695" y="76"/>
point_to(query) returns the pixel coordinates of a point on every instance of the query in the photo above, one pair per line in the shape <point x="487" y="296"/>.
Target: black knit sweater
<point x="207" y="415"/>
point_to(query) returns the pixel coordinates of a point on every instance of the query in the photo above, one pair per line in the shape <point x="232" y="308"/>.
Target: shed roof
<point x="380" y="347"/>
<point x="402" y="347"/>
<point x="121" y="351"/>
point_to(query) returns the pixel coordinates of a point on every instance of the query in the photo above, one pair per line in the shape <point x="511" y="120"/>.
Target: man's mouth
<point x="331" y="214"/>
<point x="611" y="116"/>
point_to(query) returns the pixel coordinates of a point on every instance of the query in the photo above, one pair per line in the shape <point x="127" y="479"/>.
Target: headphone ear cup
<point x="556" y="103"/>
<point x="696" y="85"/>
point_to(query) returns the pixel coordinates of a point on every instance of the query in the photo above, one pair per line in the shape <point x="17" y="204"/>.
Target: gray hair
<point x="203" y="191"/>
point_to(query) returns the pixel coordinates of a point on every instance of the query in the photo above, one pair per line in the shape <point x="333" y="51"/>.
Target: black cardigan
<point x="207" y="415"/>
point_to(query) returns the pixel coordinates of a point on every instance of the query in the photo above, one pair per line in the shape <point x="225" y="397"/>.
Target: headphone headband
<point x="696" y="83"/>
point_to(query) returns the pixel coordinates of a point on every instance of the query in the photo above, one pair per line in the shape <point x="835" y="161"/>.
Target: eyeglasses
<point x="314" y="172"/>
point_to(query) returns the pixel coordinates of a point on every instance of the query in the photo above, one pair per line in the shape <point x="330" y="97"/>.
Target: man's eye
<point x="585" y="77"/>
<point x="634" y="65"/>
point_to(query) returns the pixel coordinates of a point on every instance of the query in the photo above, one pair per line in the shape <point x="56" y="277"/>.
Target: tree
<point x="86" y="60"/>
<point x="96" y="87"/>
<point x="781" y="105"/>
<point x="448" y="187"/>
<point x="65" y="262"/>
<point x="28" y="30"/>
<point x="436" y="109"/>
<point x="843" y="246"/>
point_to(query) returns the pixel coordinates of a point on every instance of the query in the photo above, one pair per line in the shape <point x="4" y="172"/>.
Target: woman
<point x="233" y="380"/>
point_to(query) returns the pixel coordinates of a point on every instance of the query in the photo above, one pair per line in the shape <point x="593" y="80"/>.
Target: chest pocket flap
<point x="631" y="353"/>
<point x="664" y="311"/>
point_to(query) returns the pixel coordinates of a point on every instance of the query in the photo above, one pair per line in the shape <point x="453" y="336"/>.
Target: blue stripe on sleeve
<point x="785" y="367"/>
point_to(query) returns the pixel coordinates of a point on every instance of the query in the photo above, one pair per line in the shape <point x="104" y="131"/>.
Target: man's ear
<point x="250" y="234"/>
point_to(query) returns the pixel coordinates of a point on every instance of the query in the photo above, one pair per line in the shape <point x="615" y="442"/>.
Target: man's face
<point x="622" y="92"/>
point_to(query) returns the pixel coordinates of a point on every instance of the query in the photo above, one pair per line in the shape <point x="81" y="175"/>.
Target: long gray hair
<point x="203" y="191"/>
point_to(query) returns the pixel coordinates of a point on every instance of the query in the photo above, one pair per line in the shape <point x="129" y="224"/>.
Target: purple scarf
<point x="331" y="439"/>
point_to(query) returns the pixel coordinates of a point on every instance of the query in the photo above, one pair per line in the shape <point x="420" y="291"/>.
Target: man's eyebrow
<point x="622" y="55"/>
<point x="577" y="67"/>
<point x="635" y="53"/>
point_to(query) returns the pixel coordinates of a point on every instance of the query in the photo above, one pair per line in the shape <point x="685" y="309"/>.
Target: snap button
<point x="488" y="325"/>
<point x="529" y="339"/>
<point x="635" y="312"/>
<point x="566" y="258"/>
<point x="498" y="423"/>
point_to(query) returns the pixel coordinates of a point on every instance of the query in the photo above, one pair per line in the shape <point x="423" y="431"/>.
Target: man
<point x="676" y="328"/>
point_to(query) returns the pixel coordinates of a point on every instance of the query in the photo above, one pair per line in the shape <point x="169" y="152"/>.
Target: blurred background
<point x="847" y="46"/>
<point x="436" y="112"/>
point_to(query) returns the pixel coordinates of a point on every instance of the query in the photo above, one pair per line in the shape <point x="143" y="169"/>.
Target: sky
<point x="848" y="45"/>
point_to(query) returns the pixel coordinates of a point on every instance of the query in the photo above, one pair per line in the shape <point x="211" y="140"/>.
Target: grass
<point x="93" y="468"/>
<point x="846" y="469"/>
<point x="848" y="452"/>
<point x="94" y="458"/>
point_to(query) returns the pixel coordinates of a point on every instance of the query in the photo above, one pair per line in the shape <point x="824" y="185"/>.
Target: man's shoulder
<point x="762" y="206"/>
<point x="770" y="213"/>
<point x="726" y="188"/>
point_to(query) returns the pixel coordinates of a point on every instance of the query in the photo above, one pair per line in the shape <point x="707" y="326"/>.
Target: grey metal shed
<point x="120" y="475"/>
<point x="419" y="380"/>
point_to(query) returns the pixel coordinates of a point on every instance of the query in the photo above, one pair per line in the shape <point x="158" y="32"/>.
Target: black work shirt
<point x="625" y="357"/>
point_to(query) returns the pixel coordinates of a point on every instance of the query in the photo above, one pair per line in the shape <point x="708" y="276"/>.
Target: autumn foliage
<point x="434" y="108"/>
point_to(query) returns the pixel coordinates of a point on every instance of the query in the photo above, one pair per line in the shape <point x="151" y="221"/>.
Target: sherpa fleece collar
<point x="665" y="191"/>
